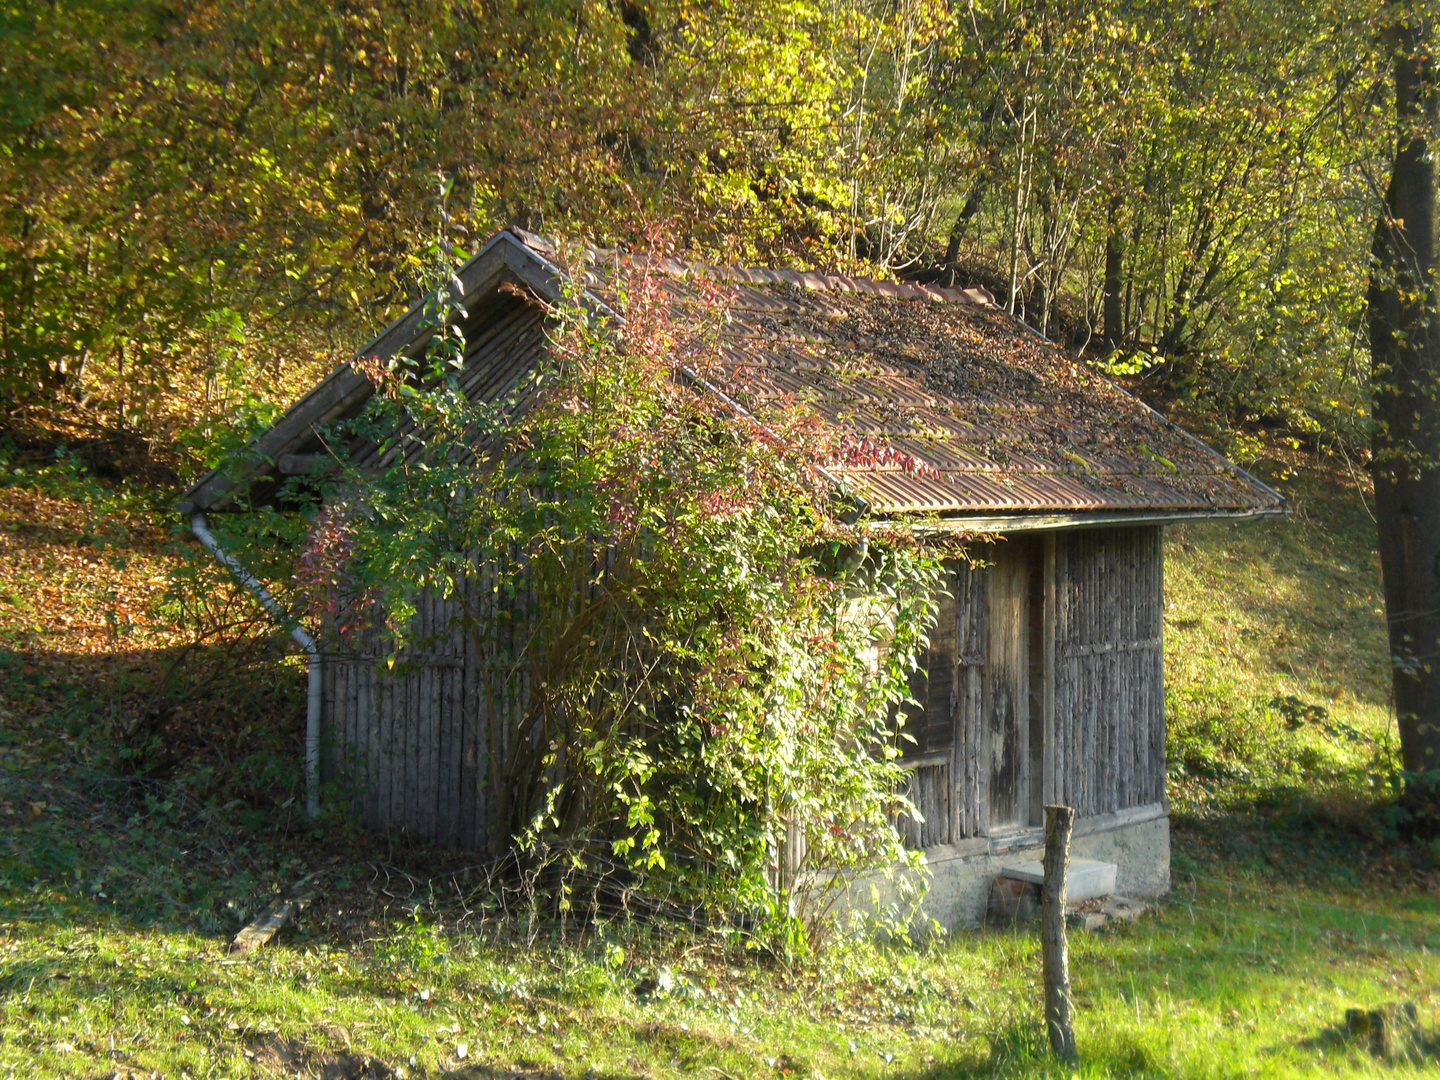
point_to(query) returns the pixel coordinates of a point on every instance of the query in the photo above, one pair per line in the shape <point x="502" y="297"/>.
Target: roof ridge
<point x="813" y="279"/>
<point x="764" y="275"/>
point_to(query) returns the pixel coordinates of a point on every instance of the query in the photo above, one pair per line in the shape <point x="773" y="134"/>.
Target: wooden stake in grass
<point x="1059" y="820"/>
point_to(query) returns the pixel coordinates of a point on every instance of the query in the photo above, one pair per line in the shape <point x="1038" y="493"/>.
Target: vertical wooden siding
<point x="931" y="755"/>
<point x="415" y="742"/>
<point x="950" y="760"/>
<point x="1096" y="631"/>
<point x="412" y="742"/>
<point x="1007" y="685"/>
<point x="971" y="586"/>
<point x="1109" y="677"/>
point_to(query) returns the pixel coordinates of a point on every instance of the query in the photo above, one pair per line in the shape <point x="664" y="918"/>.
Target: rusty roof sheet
<point x="994" y="418"/>
<point x="989" y="419"/>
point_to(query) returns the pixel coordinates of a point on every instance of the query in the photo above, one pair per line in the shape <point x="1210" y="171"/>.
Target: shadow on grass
<point x="1347" y="839"/>
<point x="1022" y="1049"/>
<point x="141" y="786"/>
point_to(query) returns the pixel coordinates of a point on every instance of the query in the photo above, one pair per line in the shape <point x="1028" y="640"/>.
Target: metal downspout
<point x="201" y="528"/>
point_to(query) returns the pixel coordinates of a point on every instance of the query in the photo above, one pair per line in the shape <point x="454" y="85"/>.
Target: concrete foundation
<point x="1137" y="841"/>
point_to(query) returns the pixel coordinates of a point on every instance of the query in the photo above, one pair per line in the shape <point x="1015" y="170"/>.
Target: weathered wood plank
<point x="930" y="728"/>
<point x="1063" y="705"/>
<point x="332" y="720"/>
<point x="1109" y="673"/>
<point x="445" y="757"/>
<point x="1048" y="621"/>
<point x="400" y="742"/>
<point x="415" y="728"/>
<point x="516" y="328"/>
<point x="1119" y="668"/>
<point x="367" y="704"/>
<point x="349" y="728"/>
<point x="928" y="788"/>
<point x="451" y="748"/>
<point x="489" y="370"/>
<point x="273" y="919"/>
<point x="970" y="780"/>
<point x="465" y="742"/>
<point x="438" y="746"/>
<point x="340" y="393"/>
<point x="1007" y="687"/>
<point x="402" y="775"/>
<point x="381" y="753"/>
<point x="423" y="717"/>
<point x="347" y="690"/>
<point x="339" y="730"/>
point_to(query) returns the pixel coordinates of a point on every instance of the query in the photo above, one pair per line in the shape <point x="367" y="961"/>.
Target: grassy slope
<point x="116" y="897"/>
<point x="1283" y="607"/>
<point x="1288" y="609"/>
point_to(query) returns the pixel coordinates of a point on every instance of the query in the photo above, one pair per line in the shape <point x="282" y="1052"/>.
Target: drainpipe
<point x="201" y="528"/>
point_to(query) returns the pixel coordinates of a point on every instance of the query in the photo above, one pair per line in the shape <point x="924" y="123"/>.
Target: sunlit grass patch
<point x="1231" y="977"/>
<point x="1277" y="668"/>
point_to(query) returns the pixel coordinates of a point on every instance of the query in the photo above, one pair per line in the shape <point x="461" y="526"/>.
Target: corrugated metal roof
<point x="990" y="420"/>
<point x="995" y="418"/>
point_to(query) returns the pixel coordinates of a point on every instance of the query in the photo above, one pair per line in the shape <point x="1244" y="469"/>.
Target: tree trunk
<point x="1113" y="313"/>
<point x="1405" y="367"/>
<point x="962" y="222"/>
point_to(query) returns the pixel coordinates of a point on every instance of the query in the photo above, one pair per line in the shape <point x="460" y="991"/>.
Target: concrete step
<point x="1087" y="879"/>
<point x="1123" y="908"/>
<point x="1085" y="920"/>
<point x="1012" y="900"/>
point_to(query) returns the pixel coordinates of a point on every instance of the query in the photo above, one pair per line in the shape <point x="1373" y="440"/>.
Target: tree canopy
<point x="202" y="201"/>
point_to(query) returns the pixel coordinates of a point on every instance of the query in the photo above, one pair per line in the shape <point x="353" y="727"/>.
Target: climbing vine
<point x="703" y="668"/>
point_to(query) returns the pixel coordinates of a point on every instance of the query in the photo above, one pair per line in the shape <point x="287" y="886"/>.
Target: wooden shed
<point x="1044" y="678"/>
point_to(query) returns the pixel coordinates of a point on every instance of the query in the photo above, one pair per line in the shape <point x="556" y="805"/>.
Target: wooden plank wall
<point x="948" y="761"/>
<point x="931" y="726"/>
<point x="413" y="742"/>
<point x="1109" y="669"/>
<point x="1102" y="713"/>
<point x="971" y="586"/>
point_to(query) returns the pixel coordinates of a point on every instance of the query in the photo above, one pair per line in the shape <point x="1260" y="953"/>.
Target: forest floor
<point x="1296" y="897"/>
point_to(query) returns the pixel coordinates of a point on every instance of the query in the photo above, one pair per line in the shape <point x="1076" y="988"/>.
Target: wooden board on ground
<point x="261" y="930"/>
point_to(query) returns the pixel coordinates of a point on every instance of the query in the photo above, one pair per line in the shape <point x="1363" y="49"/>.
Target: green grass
<point x="118" y="895"/>
<point x="1276" y="661"/>
<point x="1289" y="606"/>
<point x="1231" y="977"/>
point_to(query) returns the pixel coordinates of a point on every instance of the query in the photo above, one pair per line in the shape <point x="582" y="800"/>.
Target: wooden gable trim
<point x="344" y="390"/>
<point x="509" y="254"/>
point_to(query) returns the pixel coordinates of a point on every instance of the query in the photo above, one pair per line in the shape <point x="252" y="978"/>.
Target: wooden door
<point x="944" y="750"/>
<point x="1006" y="701"/>
<point x="928" y="746"/>
<point x="975" y="739"/>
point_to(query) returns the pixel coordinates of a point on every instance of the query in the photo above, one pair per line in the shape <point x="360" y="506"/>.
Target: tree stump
<point x="1391" y="1031"/>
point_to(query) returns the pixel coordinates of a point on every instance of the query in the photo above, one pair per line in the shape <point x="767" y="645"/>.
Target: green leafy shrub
<point x="706" y="663"/>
